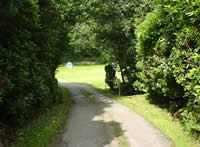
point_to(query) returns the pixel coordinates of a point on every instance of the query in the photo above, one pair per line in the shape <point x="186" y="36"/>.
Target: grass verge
<point x="46" y="127"/>
<point x="89" y="96"/>
<point x="123" y="142"/>
<point x="158" y="117"/>
<point x="94" y="75"/>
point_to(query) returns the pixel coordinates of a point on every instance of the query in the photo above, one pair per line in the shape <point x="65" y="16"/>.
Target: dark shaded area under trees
<point x="33" y="37"/>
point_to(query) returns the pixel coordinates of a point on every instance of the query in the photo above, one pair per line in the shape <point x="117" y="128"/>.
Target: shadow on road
<point x="88" y="125"/>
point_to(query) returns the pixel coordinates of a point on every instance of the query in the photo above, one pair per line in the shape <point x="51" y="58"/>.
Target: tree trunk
<point x="122" y="75"/>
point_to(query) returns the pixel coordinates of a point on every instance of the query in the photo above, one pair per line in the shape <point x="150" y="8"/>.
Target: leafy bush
<point x="32" y="39"/>
<point x="110" y="76"/>
<point x="168" y="47"/>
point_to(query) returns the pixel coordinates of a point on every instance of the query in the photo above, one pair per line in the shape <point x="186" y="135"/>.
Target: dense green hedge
<point x="33" y="36"/>
<point x="168" y="52"/>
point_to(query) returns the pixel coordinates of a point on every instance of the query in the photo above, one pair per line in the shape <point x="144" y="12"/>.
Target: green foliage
<point x="110" y="76"/>
<point x="83" y="40"/>
<point x="115" y="32"/>
<point x="168" y="51"/>
<point x="155" y="43"/>
<point x="33" y="36"/>
<point x="47" y="127"/>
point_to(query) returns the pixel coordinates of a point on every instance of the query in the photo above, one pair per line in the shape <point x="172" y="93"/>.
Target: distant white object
<point x="69" y="65"/>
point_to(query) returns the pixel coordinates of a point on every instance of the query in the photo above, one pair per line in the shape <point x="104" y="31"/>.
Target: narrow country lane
<point x="89" y="124"/>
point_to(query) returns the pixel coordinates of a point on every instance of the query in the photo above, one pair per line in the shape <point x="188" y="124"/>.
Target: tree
<point x="168" y="45"/>
<point x="83" y="40"/>
<point x="116" y="32"/>
<point x="33" y="37"/>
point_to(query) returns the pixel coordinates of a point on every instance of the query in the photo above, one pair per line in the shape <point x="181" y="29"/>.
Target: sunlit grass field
<point x="94" y="75"/>
<point x="90" y="74"/>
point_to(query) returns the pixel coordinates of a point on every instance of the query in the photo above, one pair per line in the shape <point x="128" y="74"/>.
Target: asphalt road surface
<point x="89" y="124"/>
